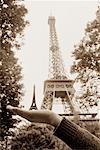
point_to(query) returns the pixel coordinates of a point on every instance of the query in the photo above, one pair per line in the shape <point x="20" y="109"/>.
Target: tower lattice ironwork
<point x="58" y="89"/>
<point x="56" y="67"/>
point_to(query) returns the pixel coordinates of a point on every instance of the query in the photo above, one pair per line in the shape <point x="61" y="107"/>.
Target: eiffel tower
<point x="33" y="105"/>
<point x="58" y="89"/>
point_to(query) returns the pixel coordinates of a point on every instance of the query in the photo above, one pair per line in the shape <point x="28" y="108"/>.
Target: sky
<point x="71" y="19"/>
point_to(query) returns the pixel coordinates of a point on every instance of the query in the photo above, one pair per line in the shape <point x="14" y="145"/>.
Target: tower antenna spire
<point x="51" y="13"/>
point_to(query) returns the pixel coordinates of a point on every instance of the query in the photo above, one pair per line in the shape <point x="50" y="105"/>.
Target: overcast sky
<point x="71" y="19"/>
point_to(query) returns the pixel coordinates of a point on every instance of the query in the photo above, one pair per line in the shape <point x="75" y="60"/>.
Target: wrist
<point x="55" y="119"/>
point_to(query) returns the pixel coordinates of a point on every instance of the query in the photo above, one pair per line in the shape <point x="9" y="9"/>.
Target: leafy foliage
<point x="11" y="25"/>
<point x="10" y="88"/>
<point x="40" y="136"/>
<point x="37" y="137"/>
<point x="87" y="64"/>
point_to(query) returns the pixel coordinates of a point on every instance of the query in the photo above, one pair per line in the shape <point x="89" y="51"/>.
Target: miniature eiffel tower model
<point x="33" y="105"/>
<point x="58" y="89"/>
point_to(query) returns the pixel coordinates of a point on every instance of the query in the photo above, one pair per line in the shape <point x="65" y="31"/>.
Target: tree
<point x="87" y="64"/>
<point x="10" y="89"/>
<point x="12" y="24"/>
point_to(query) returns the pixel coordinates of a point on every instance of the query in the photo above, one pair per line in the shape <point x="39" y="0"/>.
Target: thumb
<point x="9" y="107"/>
